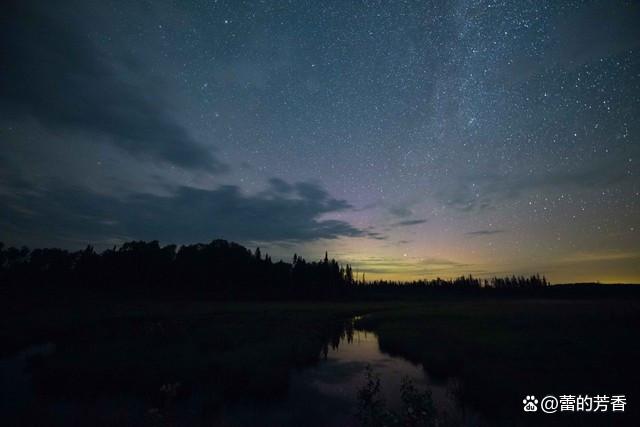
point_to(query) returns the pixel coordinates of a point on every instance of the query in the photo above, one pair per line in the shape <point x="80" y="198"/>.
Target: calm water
<point x="321" y="395"/>
<point x="326" y="394"/>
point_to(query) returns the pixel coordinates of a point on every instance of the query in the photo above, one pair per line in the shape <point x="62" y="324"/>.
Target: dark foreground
<point x="94" y="362"/>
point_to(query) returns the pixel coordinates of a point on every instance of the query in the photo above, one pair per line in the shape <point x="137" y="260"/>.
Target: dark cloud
<point x="314" y="192"/>
<point x="483" y="233"/>
<point x="190" y="215"/>
<point x="408" y="222"/>
<point x="280" y="186"/>
<point x="482" y="192"/>
<point x="52" y="71"/>
<point x="373" y="234"/>
<point x="574" y="46"/>
<point x="571" y="47"/>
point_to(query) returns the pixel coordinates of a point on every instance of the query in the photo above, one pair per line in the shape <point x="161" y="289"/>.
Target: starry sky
<point x="409" y="138"/>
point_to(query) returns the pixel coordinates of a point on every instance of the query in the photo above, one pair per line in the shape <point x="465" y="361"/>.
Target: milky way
<point x="409" y="138"/>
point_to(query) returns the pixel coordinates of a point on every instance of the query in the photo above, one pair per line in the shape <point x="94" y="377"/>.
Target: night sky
<point x="409" y="138"/>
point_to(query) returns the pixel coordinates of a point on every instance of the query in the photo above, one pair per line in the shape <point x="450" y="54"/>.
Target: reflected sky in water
<point x="326" y="394"/>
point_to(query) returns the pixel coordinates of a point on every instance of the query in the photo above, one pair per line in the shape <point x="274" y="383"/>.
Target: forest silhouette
<point x="220" y="268"/>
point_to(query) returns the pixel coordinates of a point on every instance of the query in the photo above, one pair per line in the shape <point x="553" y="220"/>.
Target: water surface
<point x="324" y="394"/>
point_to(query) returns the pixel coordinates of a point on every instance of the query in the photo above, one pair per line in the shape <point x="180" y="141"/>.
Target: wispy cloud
<point x="409" y="222"/>
<point x="477" y="233"/>
<point x="482" y="192"/>
<point x="580" y="257"/>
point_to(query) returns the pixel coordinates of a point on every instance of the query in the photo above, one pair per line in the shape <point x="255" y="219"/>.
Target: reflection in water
<point x="320" y="395"/>
<point x="326" y="394"/>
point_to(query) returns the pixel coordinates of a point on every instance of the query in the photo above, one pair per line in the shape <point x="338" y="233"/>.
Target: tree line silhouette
<point x="470" y="282"/>
<point x="220" y="268"/>
<point x="223" y="267"/>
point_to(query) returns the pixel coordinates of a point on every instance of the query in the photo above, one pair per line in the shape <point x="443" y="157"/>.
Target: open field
<point x="159" y="353"/>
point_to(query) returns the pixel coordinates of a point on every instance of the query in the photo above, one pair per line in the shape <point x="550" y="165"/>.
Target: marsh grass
<point x="498" y="351"/>
<point x="501" y="350"/>
<point x="417" y="408"/>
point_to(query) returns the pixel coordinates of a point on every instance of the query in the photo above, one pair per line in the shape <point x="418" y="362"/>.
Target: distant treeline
<point x="223" y="268"/>
<point x="469" y="282"/>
